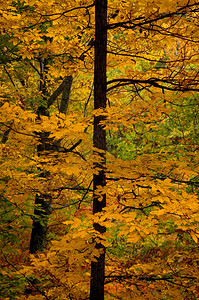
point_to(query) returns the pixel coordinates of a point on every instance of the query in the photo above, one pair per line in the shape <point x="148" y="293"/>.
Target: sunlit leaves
<point x="151" y="163"/>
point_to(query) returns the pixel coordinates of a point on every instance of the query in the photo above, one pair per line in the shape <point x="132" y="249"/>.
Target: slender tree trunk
<point x="99" y="140"/>
<point x="42" y="203"/>
<point x="41" y="212"/>
<point x="40" y="220"/>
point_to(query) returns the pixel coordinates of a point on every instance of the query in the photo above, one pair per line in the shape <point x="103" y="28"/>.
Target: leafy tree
<point x="134" y="196"/>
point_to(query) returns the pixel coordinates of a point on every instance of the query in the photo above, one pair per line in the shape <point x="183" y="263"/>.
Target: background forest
<point x="99" y="131"/>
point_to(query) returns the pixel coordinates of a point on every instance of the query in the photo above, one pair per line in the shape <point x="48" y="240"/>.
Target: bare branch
<point x="65" y="83"/>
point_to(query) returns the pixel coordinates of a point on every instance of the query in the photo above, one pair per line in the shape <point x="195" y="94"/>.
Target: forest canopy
<point x="99" y="166"/>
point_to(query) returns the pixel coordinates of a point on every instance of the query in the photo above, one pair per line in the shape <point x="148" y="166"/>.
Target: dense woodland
<point x="99" y="139"/>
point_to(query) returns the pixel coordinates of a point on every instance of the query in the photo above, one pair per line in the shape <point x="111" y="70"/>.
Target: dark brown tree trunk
<point x="42" y="203"/>
<point x="40" y="218"/>
<point x="40" y="221"/>
<point x="99" y="140"/>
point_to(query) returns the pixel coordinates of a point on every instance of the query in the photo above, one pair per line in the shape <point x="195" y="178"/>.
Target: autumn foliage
<point x="80" y="181"/>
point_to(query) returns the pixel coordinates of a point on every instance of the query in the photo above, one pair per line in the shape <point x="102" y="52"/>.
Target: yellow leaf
<point x="194" y="237"/>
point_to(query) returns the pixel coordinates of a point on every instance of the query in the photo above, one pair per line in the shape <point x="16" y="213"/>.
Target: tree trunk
<point x="39" y="230"/>
<point x="99" y="140"/>
<point x="42" y="203"/>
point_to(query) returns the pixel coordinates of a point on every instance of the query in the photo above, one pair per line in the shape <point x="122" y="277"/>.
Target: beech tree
<point x="130" y="198"/>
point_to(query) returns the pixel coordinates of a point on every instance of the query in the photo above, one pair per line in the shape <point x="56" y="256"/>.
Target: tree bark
<point x="43" y="207"/>
<point x="99" y="141"/>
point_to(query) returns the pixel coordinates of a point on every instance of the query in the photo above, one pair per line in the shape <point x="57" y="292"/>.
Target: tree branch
<point x="66" y="83"/>
<point x="156" y="82"/>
